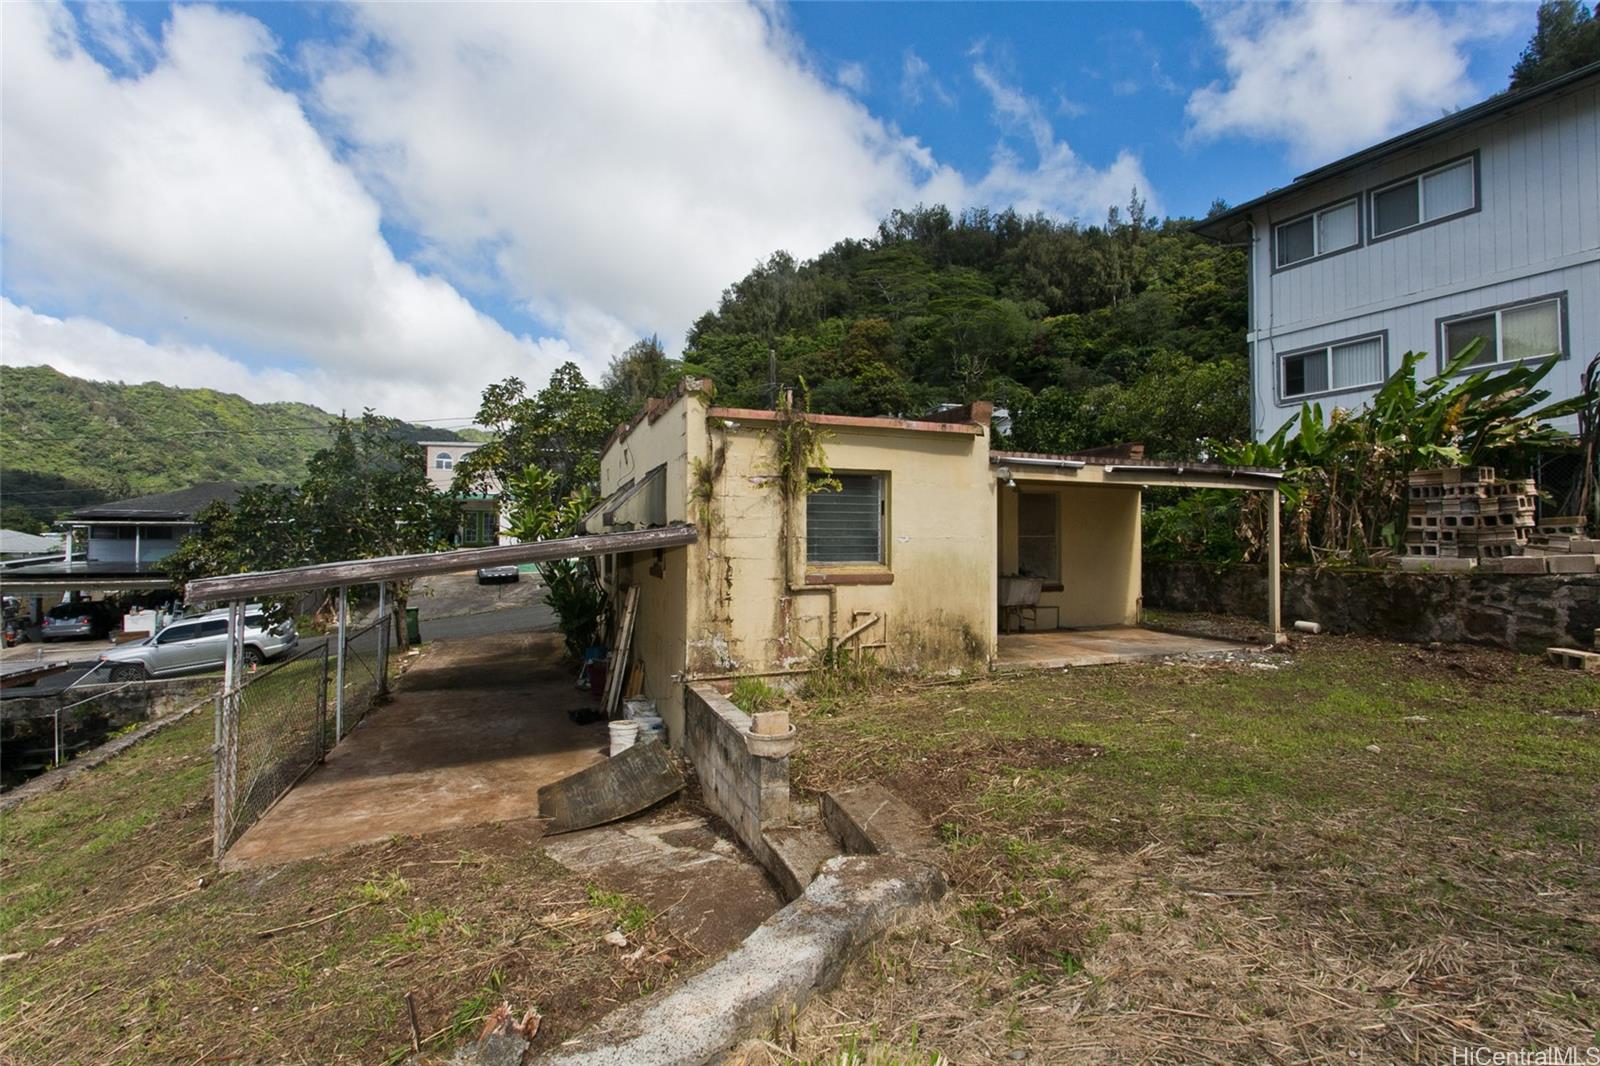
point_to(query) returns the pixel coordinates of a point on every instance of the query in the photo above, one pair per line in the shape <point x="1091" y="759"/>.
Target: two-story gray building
<point x="1483" y="224"/>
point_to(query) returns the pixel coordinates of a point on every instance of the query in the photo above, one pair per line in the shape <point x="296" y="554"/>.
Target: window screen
<point x="1358" y="363"/>
<point x="1304" y="374"/>
<point x="1336" y="228"/>
<point x="1529" y="332"/>
<point x="1447" y="191"/>
<point x="1037" y="553"/>
<point x="1460" y="333"/>
<point x="846" y="526"/>
<point x="1297" y="241"/>
<point x="1395" y="209"/>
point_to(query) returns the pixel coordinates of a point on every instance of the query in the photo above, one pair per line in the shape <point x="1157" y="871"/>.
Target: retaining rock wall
<point x="1525" y="612"/>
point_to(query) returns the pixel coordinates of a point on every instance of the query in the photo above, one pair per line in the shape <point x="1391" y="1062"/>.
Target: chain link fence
<point x="280" y="722"/>
<point x="364" y="649"/>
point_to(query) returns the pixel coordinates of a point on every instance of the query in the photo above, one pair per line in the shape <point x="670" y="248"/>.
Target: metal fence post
<point x="338" y="690"/>
<point x="383" y="638"/>
<point x="219" y="800"/>
<point x="322" y="706"/>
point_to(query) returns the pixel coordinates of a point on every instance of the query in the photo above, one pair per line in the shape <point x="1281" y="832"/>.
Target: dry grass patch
<point x="130" y="957"/>
<point x="1358" y="850"/>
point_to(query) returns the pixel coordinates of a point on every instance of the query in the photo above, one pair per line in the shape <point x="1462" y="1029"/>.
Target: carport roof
<point x="403" y="567"/>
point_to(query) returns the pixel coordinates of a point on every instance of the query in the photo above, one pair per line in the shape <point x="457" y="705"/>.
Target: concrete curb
<point x="798" y="952"/>
<point x="54" y="779"/>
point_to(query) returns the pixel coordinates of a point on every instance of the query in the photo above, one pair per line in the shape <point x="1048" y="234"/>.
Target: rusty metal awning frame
<point x="404" y="567"/>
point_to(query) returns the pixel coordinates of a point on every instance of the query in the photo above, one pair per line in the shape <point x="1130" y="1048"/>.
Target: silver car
<point x="190" y="645"/>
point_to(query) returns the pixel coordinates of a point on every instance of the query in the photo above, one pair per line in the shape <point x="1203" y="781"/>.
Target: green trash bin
<point x="413" y="626"/>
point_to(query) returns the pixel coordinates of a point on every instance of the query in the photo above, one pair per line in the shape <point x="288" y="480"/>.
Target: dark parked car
<point x="498" y="575"/>
<point x="65" y="621"/>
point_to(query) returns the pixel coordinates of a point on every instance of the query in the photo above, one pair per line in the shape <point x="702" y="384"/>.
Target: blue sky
<point x="392" y="205"/>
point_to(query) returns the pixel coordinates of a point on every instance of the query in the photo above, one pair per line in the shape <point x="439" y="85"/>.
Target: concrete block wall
<point x="749" y="792"/>
<point x="1525" y="612"/>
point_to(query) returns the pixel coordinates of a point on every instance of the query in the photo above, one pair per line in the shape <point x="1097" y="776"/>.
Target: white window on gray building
<point x="1331" y="229"/>
<point x="1427" y="197"/>
<point x="1507" y="334"/>
<point x="443" y="461"/>
<point x="847" y="526"/>
<point x="1353" y="364"/>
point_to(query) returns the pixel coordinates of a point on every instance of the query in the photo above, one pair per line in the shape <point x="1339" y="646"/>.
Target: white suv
<point x="191" y="645"/>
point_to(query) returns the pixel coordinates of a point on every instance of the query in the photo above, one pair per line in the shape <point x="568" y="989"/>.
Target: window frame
<point x="1051" y="580"/>
<point x="1563" y="336"/>
<point x="1415" y="178"/>
<point x="1279" y="384"/>
<point x="1313" y="214"/>
<point x="840" y="572"/>
<point x="443" y="461"/>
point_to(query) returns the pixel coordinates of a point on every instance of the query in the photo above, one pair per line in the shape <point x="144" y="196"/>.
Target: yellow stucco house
<point x="921" y="535"/>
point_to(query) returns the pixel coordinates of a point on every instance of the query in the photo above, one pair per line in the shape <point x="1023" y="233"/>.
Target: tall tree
<point x="560" y="429"/>
<point x="640" y="372"/>
<point x="1566" y="37"/>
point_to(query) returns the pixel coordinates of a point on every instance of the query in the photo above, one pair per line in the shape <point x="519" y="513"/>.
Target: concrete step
<point x="868" y="819"/>
<point x="798" y="852"/>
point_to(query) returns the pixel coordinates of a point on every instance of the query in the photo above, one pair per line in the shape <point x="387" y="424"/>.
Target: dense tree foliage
<point x="1131" y="330"/>
<point x="1566" y="38"/>
<point x="364" y="495"/>
<point x="560" y="429"/>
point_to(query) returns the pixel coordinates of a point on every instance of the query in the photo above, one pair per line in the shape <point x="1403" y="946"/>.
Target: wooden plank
<point x="625" y="784"/>
<point x="622" y="647"/>
<point x="400" y="567"/>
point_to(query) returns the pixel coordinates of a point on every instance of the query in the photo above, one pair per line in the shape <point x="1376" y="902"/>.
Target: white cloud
<point x="86" y="348"/>
<point x="917" y="82"/>
<point x="198" y="196"/>
<point x="1058" y="181"/>
<point x="1327" y="78"/>
<point x="853" y="76"/>
<point x="608" y="168"/>
<point x="620" y="165"/>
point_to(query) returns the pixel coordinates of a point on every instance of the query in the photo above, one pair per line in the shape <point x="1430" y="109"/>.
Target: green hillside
<point x="1132" y="330"/>
<point x="65" y="442"/>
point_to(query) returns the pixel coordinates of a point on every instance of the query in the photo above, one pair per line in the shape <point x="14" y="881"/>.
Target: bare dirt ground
<point x="1357" y="851"/>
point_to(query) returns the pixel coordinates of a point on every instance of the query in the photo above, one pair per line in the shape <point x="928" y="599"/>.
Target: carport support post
<point x="227" y="731"/>
<point x="338" y="672"/>
<point x="383" y="638"/>
<point x="1274" y="562"/>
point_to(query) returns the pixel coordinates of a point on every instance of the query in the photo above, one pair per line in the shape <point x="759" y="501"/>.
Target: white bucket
<point x="651" y="727"/>
<point x="623" y="735"/>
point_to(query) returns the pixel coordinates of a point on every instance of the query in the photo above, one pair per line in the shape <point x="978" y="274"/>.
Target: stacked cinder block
<point x="1560" y="544"/>
<point x="1466" y="513"/>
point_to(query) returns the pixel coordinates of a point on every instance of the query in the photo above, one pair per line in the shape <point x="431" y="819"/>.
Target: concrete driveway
<point x="474" y="729"/>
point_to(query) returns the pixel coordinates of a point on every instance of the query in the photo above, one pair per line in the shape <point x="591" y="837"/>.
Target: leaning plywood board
<point x="624" y="784"/>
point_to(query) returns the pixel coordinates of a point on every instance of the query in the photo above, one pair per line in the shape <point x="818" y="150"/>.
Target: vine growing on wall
<point x="801" y="459"/>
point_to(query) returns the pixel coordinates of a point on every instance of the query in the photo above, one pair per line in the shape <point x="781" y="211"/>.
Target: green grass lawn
<point x="1358" y="850"/>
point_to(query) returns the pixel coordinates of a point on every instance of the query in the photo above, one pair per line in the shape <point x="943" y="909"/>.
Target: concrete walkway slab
<point x="1051" y="649"/>
<point x="681" y="864"/>
<point x="472" y="732"/>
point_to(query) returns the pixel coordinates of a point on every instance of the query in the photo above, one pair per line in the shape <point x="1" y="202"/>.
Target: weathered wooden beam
<point x="402" y="567"/>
